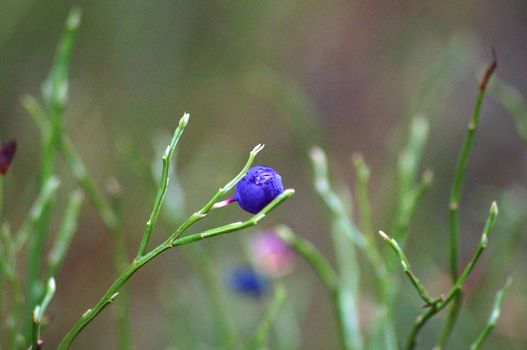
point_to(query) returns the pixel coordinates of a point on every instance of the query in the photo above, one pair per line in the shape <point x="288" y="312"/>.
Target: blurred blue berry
<point x="258" y="188"/>
<point x="245" y="280"/>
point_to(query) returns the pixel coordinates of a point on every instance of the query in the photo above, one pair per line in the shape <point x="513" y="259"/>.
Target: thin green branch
<point x="103" y="206"/>
<point x="171" y="242"/>
<point x="457" y="287"/>
<point x="372" y="251"/>
<point x="461" y="167"/>
<point x="513" y="102"/>
<point x="38" y="314"/>
<point x="260" y="339"/>
<point x="410" y="157"/>
<point x="323" y="270"/>
<point x="409" y="191"/>
<point x="345" y="236"/>
<point x="311" y="255"/>
<point x="331" y="199"/>
<point x="17" y="295"/>
<point x="47" y="195"/>
<point x="163" y="184"/>
<point x="493" y="317"/>
<point x="226" y="333"/>
<point x="420" y="288"/>
<point x="86" y="182"/>
<point x="36" y="112"/>
<point x="64" y="236"/>
<point x="363" y="202"/>
<point x="55" y="91"/>
<point x="455" y="196"/>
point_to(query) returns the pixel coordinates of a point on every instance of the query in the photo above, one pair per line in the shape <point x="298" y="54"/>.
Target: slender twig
<point x="38" y="314"/>
<point x="410" y="157"/>
<point x="311" y="255"/>
<point x="372" y="252"/>
<point x="420" y="288"/>
<point x="105" y="209"/>
<point x="513" y="101"/>
<point x="55" y="91"/>
<point x="227" y="335"/>
<point x="66" y="147"/>
<point x="461" y="167"/>
<point x="47" y="194"/>
<point x="363" y="203"/>
<point x="331" y="199"/>
<point x="260" y="339"/>
<point x="65" y="234"/>
<point x="493" y="317"/>
<point x="457" y="286"/>
<point x="344" y="235"/>
<point x="323" y="270"/>
<point x="363" y="176"/>
<point x="455" y="196"/>
<point x="163" y="184"/>
<point x="17" y="295"/>
<point x="409" y="190"/>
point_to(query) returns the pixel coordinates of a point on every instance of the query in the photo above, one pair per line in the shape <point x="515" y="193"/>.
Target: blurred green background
<point x="345" y="75"/>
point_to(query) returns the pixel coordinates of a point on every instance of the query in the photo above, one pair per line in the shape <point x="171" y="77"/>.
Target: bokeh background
<point x="345" y="75"/>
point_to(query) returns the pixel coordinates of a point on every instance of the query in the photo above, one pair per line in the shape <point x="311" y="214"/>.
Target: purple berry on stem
<point x="258" y="188"/>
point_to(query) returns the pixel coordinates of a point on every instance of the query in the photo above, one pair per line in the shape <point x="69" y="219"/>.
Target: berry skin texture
<point x="258" y="188"/>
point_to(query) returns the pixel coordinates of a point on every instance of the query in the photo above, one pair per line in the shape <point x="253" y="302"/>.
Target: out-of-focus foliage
<point x="348" y="76"/>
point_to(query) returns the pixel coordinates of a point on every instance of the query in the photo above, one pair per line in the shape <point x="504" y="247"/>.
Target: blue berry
<point x="245" y="280"/>
<point x="258" y="188"/>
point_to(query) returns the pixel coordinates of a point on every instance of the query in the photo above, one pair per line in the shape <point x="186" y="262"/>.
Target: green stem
<point x="457" y="287"/>
<point x="47" y="194"/>
<point x="163" y="184"/>
<point x="455" y="196"/>
<point x="409" y="204"/>
<point x="493" y="317"/>
<point x="17" y="296"/>
<point x="363" y="202"/>
<point x="372" y="252"/>
<point x="171" y="242"/>
<point x="86" y="182"/>
<point x="345" y="236"/>
<point x="38" y="313"/>
<point x="311" y="255"/>
<point x="201" y="262"/>
<point x="67" y="229"/>
<point x="260" y="339"/>
<point x="103" y="206"/>
<point x="419" y="287"/>
<point x="55" y="91"/>
<point x="323" y="270"/>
